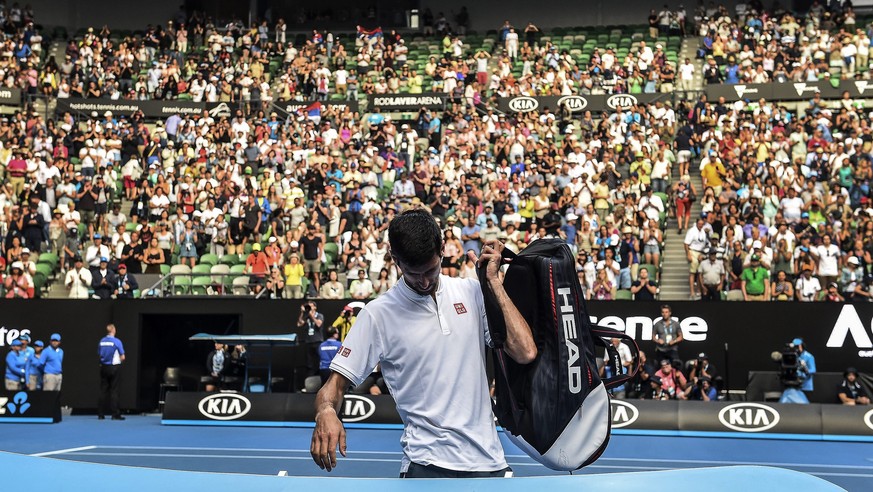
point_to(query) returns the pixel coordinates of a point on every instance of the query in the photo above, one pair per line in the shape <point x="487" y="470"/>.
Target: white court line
<point x="397" y="453"/>
<point x="63" y="451"/>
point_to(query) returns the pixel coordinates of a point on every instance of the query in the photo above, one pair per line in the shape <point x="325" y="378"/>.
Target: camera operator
<point x="701" y="367"/>
<point x="639" y="385"/>
<point x="703" y="390"/>
<point x="850" y="391"/>
<point x="806" y="362"/>
<point x="311" y="321"/>
<point x="344" y="322"/>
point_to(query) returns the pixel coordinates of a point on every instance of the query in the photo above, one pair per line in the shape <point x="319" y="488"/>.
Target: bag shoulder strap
<point x="619" y="378"/>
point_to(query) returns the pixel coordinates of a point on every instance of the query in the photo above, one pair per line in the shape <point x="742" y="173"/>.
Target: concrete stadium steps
<point x="675" y="267"/>
<point x="689" y="50"/>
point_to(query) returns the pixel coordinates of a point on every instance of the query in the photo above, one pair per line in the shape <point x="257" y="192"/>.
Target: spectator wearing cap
<point x="257" y="268"/>
<point x="18" y="284"/>
<point x="832" y="294"/>
<point x="807" y="365"/>
<point x="854" y="283"/>
<point x="755" y="281"/>
<point x="125" y="283"/>
<point x="807" y="287"/>
<point x="53" y="364"/>
<point x="312" y="249"/>
<point x="294" y="277"/>
<point x="78" y="280"/>
<point x="103" y="281"/>
<point x="96" y="252"/>
<point x="36" y="367"/>
<point x="711" y="276"/>
<point x="850" y="391"/>
<point x="16" y="367"/>
<point x="344" y="322"/>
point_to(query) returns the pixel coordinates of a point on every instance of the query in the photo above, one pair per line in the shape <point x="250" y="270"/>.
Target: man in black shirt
<point x="850" y="391"/>
<point x="252" y="219"/>
<point x="312" y="247"/>
<point x="643" y="288"/>
<point x="552" y="221"/>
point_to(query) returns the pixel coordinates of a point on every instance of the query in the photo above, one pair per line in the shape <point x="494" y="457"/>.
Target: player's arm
<point x="329" y="432"/>
<point x="520" y="344"/>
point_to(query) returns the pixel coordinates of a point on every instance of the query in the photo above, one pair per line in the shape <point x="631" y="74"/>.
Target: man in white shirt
<point x="78" y="280"/>
<point x="696" y="239"/>
<point x="686" y="75"/>
<point x="429" y="334"/>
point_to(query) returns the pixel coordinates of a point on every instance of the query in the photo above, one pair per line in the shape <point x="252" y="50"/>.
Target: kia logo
<point x="621" y="101"/>
<point x="523" y="104"/>
<point x="868" y="419"/>
<point x="224" y="406"/>
<point x="623" y="413"/>
<point x="357" y="408"/>
<point x="748" y="417"/>
<point x="573" y="103"/>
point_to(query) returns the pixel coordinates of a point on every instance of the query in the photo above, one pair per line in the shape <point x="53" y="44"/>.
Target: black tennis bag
<point x="556" y="408"/>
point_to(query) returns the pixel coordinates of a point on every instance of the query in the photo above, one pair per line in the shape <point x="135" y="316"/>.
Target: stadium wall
<point x="155" y="333"/>
<point x="557" y="13"/>
<point x="123" y="14"/>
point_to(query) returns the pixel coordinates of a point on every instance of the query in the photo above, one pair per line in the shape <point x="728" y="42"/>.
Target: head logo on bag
<point x="542" y="283"/>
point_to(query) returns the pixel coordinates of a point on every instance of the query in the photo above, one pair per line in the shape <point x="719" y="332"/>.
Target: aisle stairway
<point x="675" y="268"/>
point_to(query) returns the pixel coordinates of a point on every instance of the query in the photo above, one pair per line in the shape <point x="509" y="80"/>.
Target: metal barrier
<point x="204" y="284"/>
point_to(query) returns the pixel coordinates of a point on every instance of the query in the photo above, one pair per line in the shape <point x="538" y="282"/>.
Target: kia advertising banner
<point x="279" y="409"/>
<point x="737" y="418"/>
<point x="23" y="407"/>
<point x="576" y="104"/>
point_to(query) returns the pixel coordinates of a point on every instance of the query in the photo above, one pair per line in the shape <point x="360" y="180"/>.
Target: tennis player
<point x="429" y="333"/>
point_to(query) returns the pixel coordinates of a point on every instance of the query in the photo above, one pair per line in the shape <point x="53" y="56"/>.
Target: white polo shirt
<point x="433" y="361"/>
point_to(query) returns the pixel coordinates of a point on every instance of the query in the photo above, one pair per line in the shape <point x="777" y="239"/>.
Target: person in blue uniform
<point x="53" y="371"/>
<point x="16" y="367"/>
<point x="807" y="364"/>
<point x="35" y="367"/>
<point x="111" y="352"/>
<point x="327" y="351"/>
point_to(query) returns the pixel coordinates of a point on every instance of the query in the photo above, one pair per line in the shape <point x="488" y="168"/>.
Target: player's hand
<point x="491" y="257"/>
<point x="329" y="434"/>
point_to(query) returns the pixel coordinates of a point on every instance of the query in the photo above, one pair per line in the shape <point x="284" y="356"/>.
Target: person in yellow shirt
<point x="526" y="209"/>
<point x="601" y="198"/>
<point x="344" y="322"/>
<point x="712" y="174"/>
<point x="293" y="278"/>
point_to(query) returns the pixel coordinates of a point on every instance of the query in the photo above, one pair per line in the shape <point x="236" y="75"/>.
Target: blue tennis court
<point x="375" y="453"/>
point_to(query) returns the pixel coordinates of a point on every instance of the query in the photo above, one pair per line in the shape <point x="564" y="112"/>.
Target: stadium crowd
<point x="755" y="45"/>
<point x="299" y="206"/>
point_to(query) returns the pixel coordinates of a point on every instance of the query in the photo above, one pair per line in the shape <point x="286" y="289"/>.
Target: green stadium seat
<point x="181" y="285"/>
<point x="229" y="260"/>
<point x="199" y="285"/>
<point x="238" y="269"/>
<point x="202" y="269"/>
<point x="623" y="295"/>
<point x="209" y="259"/>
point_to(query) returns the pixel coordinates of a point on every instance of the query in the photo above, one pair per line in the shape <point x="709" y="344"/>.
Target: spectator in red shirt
<point x="257" y="266"/>
<point x="17" y="170"/>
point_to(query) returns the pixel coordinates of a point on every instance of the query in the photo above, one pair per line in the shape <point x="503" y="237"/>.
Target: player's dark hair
<point x="414" y="237"/>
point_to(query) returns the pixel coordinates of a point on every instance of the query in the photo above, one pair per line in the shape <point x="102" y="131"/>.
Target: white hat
<point x="184" y="186"/>
<point x="89" y="143"/>
<point x="272" y="239"/>
<point x="294" y="244"/>
<point x="757" y="245"/>
<point x="572" y="216"/>
<point x="852" y="259"/>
